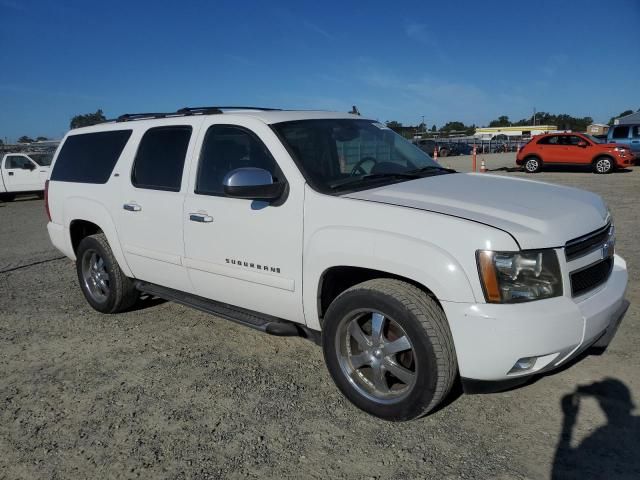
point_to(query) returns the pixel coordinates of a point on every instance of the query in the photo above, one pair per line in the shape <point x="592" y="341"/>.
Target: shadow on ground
<point x="609" y="452"/>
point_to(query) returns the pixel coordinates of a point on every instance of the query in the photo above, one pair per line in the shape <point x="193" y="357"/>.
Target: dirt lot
<point x="165" y="391"/>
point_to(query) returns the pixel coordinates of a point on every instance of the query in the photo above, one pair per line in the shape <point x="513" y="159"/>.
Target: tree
<point x="25" y="139"/>
<point x="41" y="139"/>
<point x="87" y="119"/>
<point x="434" y="129"/>
<point x="393" y="124"/>
<point x="1" y="142"/>
<point x="502" y="121"/>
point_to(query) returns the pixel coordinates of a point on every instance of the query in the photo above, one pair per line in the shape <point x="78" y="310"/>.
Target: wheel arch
<point x="339" y="278"/>
<point x="88" y="217"/>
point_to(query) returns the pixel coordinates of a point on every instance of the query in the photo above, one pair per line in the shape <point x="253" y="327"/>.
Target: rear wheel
<point x="388" y="347"/>
<point x="603" y="165"/>
<point x="7" y="197"/>
<point x="532" y="164"/>
<point x="105" y="286"/>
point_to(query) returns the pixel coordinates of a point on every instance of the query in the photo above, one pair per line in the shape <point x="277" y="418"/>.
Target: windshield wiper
<point x="374" y="176"/>
<point x="432" y="168"/>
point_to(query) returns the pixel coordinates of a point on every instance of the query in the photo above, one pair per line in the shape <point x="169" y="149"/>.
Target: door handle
<point x="200" y="217"/>
<point x="10" y="174"/>
<point x="132" y="207"/>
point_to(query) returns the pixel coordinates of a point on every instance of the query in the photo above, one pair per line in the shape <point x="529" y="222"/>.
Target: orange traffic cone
<point x="483" y="166"/>
<point x="474" y="159"/>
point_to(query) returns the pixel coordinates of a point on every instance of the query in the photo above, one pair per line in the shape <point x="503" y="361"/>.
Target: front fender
<point x="393" y="253"/>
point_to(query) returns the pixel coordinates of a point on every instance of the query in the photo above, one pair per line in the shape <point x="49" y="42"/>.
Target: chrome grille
<point x="580" y="246"/>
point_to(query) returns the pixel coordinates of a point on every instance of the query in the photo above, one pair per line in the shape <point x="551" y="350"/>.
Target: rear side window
<point x="160" y="158"/>
<point x="89" y="157"/>
<point x="636" y="131"/>
<point x="621" y="132"/>
<point x="553" y="140"/>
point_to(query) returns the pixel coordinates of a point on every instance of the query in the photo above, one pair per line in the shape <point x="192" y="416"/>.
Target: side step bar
<point x="249" y="318"/>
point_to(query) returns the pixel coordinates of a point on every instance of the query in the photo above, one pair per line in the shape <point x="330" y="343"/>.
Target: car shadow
<point x="611" y="451"/>
<point x="146" y="301"/>
<point x="578" y="168"/>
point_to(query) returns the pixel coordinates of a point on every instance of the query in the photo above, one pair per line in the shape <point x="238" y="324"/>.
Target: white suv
<point x="331" y="226"/>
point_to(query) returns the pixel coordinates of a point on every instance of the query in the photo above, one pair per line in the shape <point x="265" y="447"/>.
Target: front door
<point x="21" y="174"/>
<point x="244" y="252"/>
<point x="151" y="203"/>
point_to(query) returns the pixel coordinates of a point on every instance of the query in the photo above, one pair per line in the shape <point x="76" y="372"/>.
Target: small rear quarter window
<point x="89" y="157"/>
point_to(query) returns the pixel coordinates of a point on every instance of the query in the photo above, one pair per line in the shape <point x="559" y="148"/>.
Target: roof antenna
<point x="354" y="110"/>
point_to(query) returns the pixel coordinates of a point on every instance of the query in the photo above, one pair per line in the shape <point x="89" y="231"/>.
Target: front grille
<point x="590" y="277"/>
<point x="587" y="243"/>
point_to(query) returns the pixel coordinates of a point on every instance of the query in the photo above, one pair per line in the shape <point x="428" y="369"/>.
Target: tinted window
<point x="635" y="132"/>
<point x="90" y="157"/>
<point x="160" y="158"/>
<point x="18" y="161"/>
<point x="575" y="140"/>
<point x="226" y="148"/>
<point x="553" y="140"/>
<point x="621" y="132"/>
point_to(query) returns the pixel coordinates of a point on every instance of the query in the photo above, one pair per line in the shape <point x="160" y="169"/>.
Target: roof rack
<point x="186" y="111"/>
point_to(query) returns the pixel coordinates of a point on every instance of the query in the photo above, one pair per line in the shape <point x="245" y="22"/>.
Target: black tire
<point x="431" y="358"/>
<point x="443" y="152"/>
<point x="532" y="164"/>
<point x="603" y="165"/>
<point x="119" y="293"/>
<point x="7" y="197"/>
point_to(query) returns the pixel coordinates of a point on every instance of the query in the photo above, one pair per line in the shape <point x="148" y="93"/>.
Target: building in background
<point x="598" y="129"/>
<point x="631" y="119"/>
<point x="488" y="133"/>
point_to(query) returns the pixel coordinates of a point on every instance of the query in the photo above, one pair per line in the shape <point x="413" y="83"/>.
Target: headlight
<point x="511" y="277"/>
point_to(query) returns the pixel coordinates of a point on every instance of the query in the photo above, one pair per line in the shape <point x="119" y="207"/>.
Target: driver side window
<point x="18" y="161"/>
<point x="226" y="148"/>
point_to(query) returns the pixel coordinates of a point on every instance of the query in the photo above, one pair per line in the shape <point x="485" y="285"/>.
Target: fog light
<point x="523" y="364"/>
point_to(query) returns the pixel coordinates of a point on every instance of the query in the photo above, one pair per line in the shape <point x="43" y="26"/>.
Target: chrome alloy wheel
<point x="376" y="355"/>
<point x="95" y="276"/>
<point x="603" y="165"/>
<point x="531" y="165"/>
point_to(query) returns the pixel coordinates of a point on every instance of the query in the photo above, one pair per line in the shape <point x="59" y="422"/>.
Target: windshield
<point x="345" y="154"/>
<point x="594" y="139"/>
<point x="42" y="159"/>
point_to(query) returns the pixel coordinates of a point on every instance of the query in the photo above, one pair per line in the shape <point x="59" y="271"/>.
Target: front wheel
<point x="388" y="347"/>
<point x="603" y="165"/>
<point x="104" y="285"/>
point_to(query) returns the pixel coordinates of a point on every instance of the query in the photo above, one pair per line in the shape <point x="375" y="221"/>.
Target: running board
<point x="249" y="318"/>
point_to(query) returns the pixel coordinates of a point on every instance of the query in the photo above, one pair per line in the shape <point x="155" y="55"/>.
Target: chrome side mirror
<point x="252" y="183"/>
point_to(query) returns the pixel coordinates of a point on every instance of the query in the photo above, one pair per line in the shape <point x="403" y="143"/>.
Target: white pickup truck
<point x="23" y="173"/>
<point x="331" y="226"/>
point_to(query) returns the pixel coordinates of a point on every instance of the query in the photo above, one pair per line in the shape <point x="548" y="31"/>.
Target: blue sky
<point x="455" y="60"/>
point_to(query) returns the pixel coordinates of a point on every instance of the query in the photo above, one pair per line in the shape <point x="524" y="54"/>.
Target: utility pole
<point x="534" y="116"/>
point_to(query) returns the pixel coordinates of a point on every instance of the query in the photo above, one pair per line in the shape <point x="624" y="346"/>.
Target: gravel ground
<point x="168" y="392"/>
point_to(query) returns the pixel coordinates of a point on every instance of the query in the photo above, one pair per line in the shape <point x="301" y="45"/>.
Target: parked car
<point x="19" y="173"/>
<point x="409" y="275"/>
<point x="626" y="135"/>
<point x="445" y="149"/>
<point x="573" y="149"/>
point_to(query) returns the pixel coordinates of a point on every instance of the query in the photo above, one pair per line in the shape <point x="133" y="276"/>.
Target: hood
<point x="536" y="214"/>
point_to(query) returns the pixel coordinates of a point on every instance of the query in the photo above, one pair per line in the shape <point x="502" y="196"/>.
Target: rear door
<point x="151" y="205"/>
<point x="21" y="174"/>
<point x="552" y="149"/>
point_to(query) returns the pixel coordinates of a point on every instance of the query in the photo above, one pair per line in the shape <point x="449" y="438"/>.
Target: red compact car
<point x="573" y="149"/>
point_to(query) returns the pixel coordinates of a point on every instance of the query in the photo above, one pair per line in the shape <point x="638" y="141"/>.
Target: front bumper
<point x="490" y="338"/>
